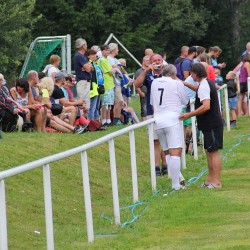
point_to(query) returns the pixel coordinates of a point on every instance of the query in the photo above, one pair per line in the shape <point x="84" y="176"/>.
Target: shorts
<point x="118" y="94"/>
<point x="155" y="135"/>
<point x="232" y="101"/>
<point x="187" y="122"/>
<point x="108" y="98"/>
<point x="243" y="87"/>
<point x="171" y="137"/>
<point x="213" y="139"/>
<point x="83" y="91"/>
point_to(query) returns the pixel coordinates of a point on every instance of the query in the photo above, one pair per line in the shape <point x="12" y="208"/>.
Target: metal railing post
<point x="152" y="155"/>
<point x="133" y="165"/>
<point x="114" y="182"/>
<point x="3" y="219"/>
<point x="87" y="196"/>
<point x="68" y="51"/>
<point x="227" y="108"/>
<point x="183" y="152"/>
<point x="48" y="207"/>
<point x="194" y="134"/>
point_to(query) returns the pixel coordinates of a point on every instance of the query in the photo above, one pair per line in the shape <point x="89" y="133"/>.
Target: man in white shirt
<point x="167" y="97"/>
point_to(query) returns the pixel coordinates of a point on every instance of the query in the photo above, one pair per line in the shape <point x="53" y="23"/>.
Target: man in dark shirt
<point x="209" y="122"/>
<point x="83" y="70"/>
<point x="58" y="97"/>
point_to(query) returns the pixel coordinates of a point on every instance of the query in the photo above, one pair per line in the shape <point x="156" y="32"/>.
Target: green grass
<point x="195" y="218"/>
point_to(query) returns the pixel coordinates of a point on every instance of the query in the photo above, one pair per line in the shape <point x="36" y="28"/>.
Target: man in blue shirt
<point x="188" y="61"/>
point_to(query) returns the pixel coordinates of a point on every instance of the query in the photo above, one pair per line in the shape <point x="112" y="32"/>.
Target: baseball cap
<point x="60" y="75"/>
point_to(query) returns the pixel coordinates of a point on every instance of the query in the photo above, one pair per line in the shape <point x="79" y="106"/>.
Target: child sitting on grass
<point x="232" y="96"/>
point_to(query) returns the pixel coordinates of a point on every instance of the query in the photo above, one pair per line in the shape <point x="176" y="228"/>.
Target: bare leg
<point x="59" y="127"/>
<point x="210" y="169"/>
<point x="117" y="109"/>
<point x="216" y="163"/>
<point x="157" y="152"/>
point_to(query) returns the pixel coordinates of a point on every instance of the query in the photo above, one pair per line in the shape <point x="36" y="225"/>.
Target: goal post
<point x="42" y="48"/>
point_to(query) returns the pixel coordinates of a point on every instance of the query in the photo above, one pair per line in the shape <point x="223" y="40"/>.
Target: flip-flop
<point x="212" y="186"/>
<point x="204" y="184"/>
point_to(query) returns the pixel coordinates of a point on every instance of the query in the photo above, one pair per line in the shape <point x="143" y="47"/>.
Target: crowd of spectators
<point x="99" y="94"/>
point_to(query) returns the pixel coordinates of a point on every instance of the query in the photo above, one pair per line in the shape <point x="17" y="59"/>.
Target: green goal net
<point x="42" y="48"/>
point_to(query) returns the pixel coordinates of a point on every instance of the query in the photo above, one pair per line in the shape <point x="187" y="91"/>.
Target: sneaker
<point x="157" y="171"/>
<point x="233" y="124"/>
<point x="118" y="123"/>
<point x="183" y="184"/>
<point x="79" y="129"/>
<point x="164" y="170"/>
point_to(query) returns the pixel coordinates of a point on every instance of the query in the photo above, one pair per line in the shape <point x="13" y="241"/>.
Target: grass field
<point x="194" y="218"/>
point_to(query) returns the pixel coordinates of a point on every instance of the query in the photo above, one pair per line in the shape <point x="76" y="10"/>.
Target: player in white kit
<point x="167" y="97"/>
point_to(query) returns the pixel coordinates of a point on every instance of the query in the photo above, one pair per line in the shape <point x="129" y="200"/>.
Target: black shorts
<point x="243" y="87"/>
<point x="213" y="139"/>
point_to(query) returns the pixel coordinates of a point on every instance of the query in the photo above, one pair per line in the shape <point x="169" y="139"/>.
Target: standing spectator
<point x="244" y="74"/>
<point x="153" y="71"/>
<point x="183" y="55"/>
<point x="108" y="72"/>
<point x="188" y="61"/>
<point x="96" y="80"/>
<point x="214" y="53"/>
<point x="148" y="52"/>
<point x="200" y="51"/>
<point x="52" y="68"/>
<point x="142" y="91"/>
<point x="113" y="47"/>
<point x="83" y="70"/>
<point x="167" y="97"/>
<point x="210" y="69"/>
<point x="232" y="96"/>
<point x="209" y="121"/>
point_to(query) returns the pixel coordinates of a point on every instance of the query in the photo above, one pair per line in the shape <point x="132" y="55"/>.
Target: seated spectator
<point x="47" y="88"/>
<point x="126" y="82"/>
<point x="57" y="97"/>
<point x="69" y="85"/>
<point x="8" y="111"/>
<point x="22" y="94"/>
<point x="128" y="113"/>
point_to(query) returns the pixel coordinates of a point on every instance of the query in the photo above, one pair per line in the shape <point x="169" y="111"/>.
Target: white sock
<point x="104" y="121"/>
<point x="108" y="121"/>
<point x="169" y="170"/>
<point x="175" y="166"/>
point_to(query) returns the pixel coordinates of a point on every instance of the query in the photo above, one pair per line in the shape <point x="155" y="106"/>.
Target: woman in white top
<point x="52" y="68"/>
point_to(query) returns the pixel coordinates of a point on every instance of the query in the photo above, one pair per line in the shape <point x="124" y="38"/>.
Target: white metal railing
<point x="44" y="162"/>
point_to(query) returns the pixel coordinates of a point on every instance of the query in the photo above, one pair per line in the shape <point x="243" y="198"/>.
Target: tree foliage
<point x="16" y="27"/>
<point x="163" y="25"/>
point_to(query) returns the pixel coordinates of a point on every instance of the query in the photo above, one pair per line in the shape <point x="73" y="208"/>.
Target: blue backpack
<point x="179" y="73"/>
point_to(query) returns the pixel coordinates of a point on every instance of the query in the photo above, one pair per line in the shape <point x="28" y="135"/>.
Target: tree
<point x="16" y="25"/>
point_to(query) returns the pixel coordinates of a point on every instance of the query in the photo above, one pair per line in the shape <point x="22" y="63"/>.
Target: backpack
<point x="178" y="66"/>
<point x="46" y="69"/>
